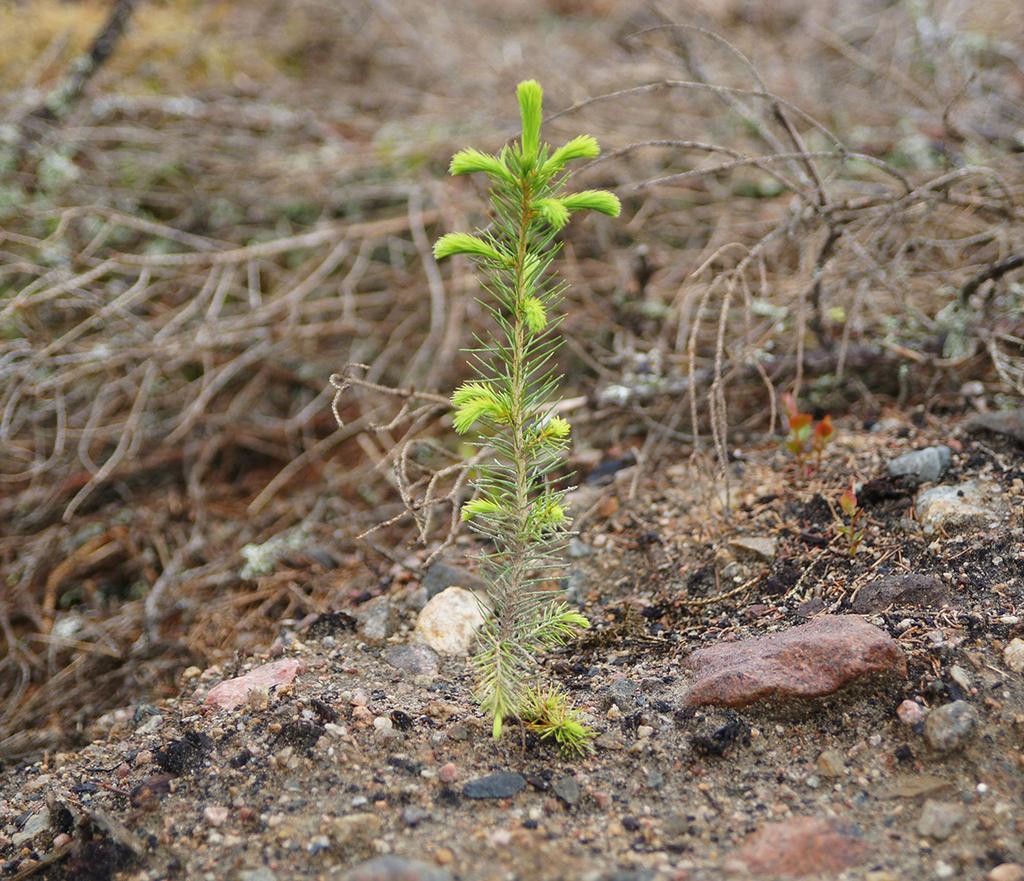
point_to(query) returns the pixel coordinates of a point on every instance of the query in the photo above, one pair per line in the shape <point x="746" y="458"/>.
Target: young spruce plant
<point x="518" y="507"/>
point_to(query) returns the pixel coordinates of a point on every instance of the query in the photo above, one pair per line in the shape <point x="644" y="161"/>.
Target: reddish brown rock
<point x="233" y="692"/>
<point x="808" y="661"/>
<point x="801" y="847"/>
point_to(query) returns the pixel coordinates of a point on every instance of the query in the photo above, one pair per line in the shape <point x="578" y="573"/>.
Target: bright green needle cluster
<point x="518" y="507"/>
<point x="548" y="713"/>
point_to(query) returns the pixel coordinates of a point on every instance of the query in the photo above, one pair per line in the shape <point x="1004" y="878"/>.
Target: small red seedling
<point x="851" y="531"/>
<point x="805" y="437"/>
<point x="824" y="431"/>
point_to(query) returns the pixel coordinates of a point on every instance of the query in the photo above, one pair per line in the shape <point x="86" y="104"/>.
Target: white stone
<point x="450" y="620"/>
<point x="216" y="815"/>
<point x="967" y="505"/>
<point x="755" y="546"/>
<point x="1013" y="655"/>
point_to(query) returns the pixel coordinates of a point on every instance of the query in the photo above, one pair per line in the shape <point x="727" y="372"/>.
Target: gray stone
<point x="579" y="549"/>
<point x="965" y="506"/>
<point x="922" y="466"/>
<point x="413" y="815"/>
<point x="567" y="789"/>
<point x="621" y="693"/>
<point x="951" y="726"/>
<point x="414" y="659"/>
<point x="35" y="825"/>
<point x="961" y="677"/>
<point x="577" y="586"/>
<point x="394" y="868"/>
<point x="376" y="619"/>
<point x="1006" y="422"/>
<point x="263" y="873"/>
<point x="913" y="590"/>
<point x="939" y="819"/>
<point x="755" y="547"/>
<point x="501" y="784"/>
<point x="631" y="875"/>
<point x="440" y="576"/>
<point x="151" y="725"/>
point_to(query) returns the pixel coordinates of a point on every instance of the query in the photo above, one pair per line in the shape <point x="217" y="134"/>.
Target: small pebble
<point x="951" y="726"/>
<point x="216" y="815"/>
<point x="830" y="763"/>
<point x="413" y="815"/>
<point x="940" y="819"/>
<point x="1013" y="655"/>
<point x="448" y="773"/>
<point x="1006" y="872"/>
<point x="910" y="712"/>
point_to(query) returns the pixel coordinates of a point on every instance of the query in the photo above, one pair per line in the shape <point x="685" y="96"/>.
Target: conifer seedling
<point x="518" y="508"/>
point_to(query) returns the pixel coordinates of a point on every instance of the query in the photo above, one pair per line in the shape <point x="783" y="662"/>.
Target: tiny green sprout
<point x="518" y="506"/>
<point x="851" y="531"/>
<point x="548" y="713"/>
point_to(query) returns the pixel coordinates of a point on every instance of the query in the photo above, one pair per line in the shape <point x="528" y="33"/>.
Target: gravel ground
<point x="914" y="768"/>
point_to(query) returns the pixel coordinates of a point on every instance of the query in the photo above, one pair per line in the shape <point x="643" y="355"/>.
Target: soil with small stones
<point x="356" y="758"/>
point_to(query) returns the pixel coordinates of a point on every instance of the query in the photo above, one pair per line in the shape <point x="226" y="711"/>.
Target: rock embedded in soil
<point x="807" y="661"/>
<point x="910" y="712"/>
<point x="394" y="868"/>
<point x="377" y="619"/>
<point x="755" y="547"/>
<point x="1006" y="872"/>
<point x="918" y="591"/>
<point x="215" y="815"/>
<point x="830" y="764"/>
<point x="914" y="786"/>
<point x="233" y="692"/>
<point x="501" y="784"/>
<point x="1013" y="655"/>
<point x="951" y="726"/>
<point x="355" y="832"/>
<point x="959" y="508"/>
<point x="415" y="659"/>
<point x="620" y="693"/>
<point x="440" y="576"/>
<point x="799" y="848"/>
<point x="567" y="789"/>
<point x="1009" y="423"/>
<point x="263" y="873"/>
<point x="940" y="819"/>
<point x="36" y="824"/>
<point x="922" y="466"/>
<point x="449" y="621"/>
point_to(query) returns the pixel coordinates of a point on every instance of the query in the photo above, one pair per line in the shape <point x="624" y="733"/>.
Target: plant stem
<point x="519" y="416"/>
